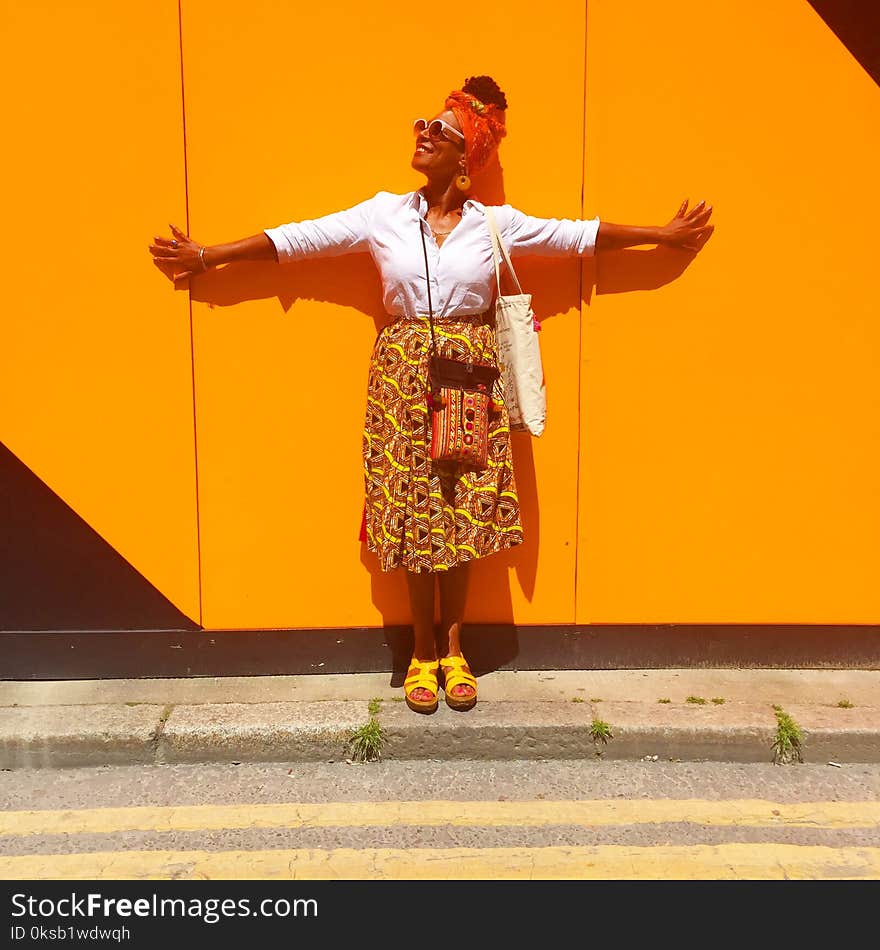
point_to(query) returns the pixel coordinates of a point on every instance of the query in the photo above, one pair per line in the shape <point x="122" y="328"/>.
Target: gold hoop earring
<point x="463" y="183"/>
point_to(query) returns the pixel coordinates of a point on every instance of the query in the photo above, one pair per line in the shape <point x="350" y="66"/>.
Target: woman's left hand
<point x="688" y="229"/>
<point x="177" y="257"/>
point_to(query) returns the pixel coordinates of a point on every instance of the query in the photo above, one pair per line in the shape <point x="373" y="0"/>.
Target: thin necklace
<point x="443" y="233"/>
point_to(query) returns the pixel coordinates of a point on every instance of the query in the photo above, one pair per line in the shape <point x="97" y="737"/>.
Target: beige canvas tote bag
<point x="519" y="353"/>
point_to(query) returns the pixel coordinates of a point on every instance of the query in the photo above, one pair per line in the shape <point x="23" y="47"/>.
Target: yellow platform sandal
<point x="421" y="675"/>
<point x="456" y="672"/>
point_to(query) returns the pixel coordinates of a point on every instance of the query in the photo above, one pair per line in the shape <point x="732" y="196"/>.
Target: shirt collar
<point x="420" y="203"/>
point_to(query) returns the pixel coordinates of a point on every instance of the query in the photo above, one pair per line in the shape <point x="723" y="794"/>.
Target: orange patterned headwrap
<point x="482" y="125"/>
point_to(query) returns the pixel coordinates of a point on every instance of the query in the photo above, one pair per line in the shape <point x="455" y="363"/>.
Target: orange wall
<point x="731" y="434"/>
<point x="712" y="448"/>
<point x="95" y="363"/>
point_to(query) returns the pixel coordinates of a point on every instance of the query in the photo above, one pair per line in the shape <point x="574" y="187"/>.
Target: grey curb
<point x="114" y="734"/>
<point x="260" y="732"/>
<point x="34" y="737"/>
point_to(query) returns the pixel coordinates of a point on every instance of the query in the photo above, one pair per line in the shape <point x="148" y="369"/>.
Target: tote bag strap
<point x="499" y="250"/>
<point x="496" y="254"/>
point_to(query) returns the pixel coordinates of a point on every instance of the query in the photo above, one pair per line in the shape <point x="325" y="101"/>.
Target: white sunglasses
<point x="435" y="128"/>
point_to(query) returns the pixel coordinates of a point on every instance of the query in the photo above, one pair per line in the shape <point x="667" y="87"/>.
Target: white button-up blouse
<point x="462" y="273"/>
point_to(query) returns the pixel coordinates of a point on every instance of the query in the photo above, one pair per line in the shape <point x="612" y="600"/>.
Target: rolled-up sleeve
<point x="551" y="237"/>
<point x="342" y="232"/>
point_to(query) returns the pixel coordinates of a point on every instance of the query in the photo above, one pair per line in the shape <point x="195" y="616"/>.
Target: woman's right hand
<point x="688" y="230"/>
<point x="178" y="256"/>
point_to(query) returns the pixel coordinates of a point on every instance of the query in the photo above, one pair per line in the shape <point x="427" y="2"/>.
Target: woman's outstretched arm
<point x="187" y="257"/>
<point x="258" y="247"/>
<point x="563" y="237"/>
<point x="688" y="230"/>
<point x="339" y="233"/>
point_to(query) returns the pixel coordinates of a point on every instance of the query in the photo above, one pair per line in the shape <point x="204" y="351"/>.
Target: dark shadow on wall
<point x="856" y="23"/>
<point x="352" y="281"/>
<point x="58" y="573"/>
<point x="621" y="272"/>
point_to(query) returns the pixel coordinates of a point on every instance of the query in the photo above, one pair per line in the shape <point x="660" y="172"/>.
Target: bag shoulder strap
<point x="499" y="250"/>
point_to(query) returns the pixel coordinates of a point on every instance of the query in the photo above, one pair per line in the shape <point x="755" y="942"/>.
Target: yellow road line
<point x="754" y="813"/>
<point x="602" y="862"/>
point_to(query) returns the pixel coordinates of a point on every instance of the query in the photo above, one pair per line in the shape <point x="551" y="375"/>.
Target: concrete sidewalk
<point x="520" y="715"/>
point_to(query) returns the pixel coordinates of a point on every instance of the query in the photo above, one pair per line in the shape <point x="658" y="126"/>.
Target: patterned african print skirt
<point x="419" y="514"/>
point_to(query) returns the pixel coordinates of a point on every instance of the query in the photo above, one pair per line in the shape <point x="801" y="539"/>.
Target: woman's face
<point x="441" y="157"/>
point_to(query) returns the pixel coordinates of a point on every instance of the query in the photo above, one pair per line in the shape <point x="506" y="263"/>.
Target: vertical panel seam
<point x="191" y="333"/>
<point x="580" y="347"/>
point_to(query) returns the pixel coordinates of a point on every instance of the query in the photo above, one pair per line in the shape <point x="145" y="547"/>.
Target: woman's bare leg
<point x="421" y="602"/>
<point x="453" y="594"/>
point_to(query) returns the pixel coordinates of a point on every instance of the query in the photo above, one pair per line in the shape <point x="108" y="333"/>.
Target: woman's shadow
<point x="556" y="285"/>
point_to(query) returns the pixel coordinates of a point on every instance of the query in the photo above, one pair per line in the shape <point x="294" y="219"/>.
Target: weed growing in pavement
<point x="577" y="699"/>
<point x="776" y="708"/>
<point x="788" y="739"/>
<point x="697" y="700"/>
<point x="596" y="699"/>
<point x="365" y="743"/>
<point x="601" y="732"/>
<point x="845" y="704"/>
<point x="664" y="700"/>
<point x="398" y="699"/>
<point x="719" y="700"/>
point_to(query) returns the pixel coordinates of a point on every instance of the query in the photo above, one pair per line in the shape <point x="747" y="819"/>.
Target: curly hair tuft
<point x="486" y="90"/>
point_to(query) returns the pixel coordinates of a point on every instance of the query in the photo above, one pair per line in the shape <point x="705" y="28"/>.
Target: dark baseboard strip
<point x="184" y="653"/>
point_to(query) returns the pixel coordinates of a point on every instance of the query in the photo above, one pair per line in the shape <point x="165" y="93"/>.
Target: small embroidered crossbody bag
<point x="459" y="398"/>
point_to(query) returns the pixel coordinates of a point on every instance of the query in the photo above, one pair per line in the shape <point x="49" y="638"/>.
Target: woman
<point x="434" y="519"/>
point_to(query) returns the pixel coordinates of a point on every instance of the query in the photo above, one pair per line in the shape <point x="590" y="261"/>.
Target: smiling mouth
<point x="421" y="147"/>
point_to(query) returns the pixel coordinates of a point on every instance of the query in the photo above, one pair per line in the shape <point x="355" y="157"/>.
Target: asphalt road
<point x="485" y="820"/>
